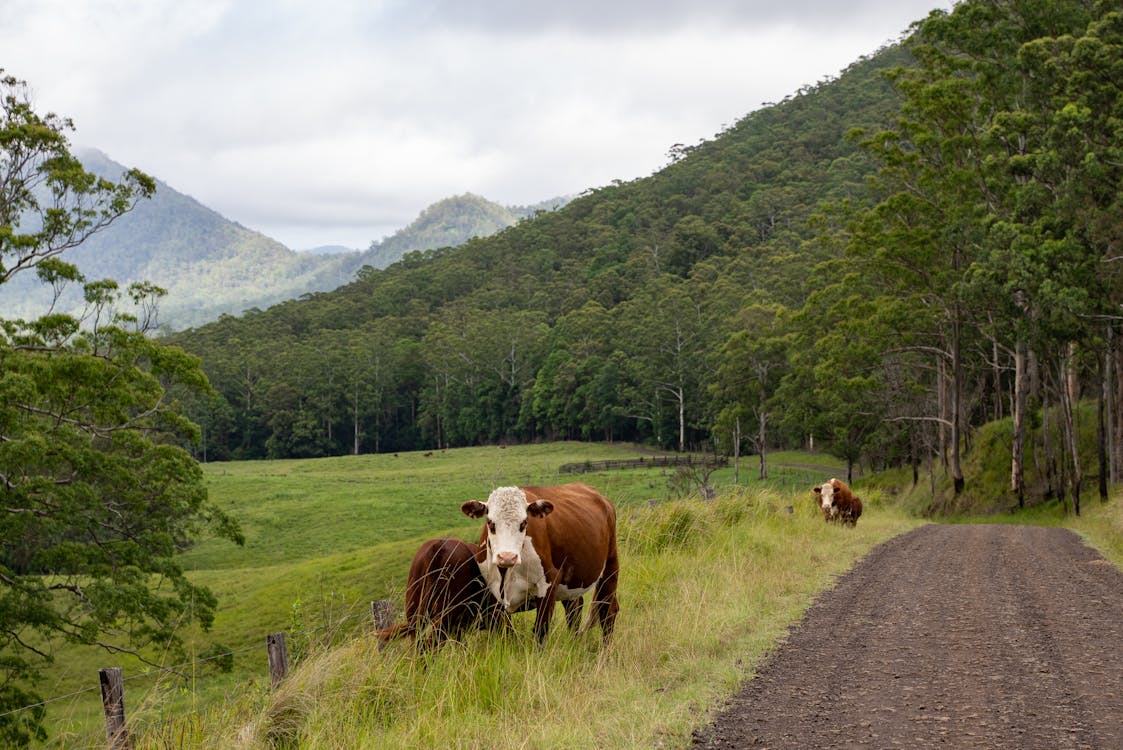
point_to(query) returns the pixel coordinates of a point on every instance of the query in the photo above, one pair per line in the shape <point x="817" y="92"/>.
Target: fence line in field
<point x="581" y="467"/>
<point x="112" y="680"/>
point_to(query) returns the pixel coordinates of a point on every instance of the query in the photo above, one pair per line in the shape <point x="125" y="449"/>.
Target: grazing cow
<point x="838" y="502"/>
<point x="540" y="545"/>
<point x="445" y="593"/>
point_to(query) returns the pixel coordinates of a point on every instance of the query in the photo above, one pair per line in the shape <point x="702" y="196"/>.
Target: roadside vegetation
<point x="708" y="589"/>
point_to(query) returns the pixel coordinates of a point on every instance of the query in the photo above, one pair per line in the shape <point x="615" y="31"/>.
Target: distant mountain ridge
<point x="212" y="266"/>
<point x="451" y="222"/>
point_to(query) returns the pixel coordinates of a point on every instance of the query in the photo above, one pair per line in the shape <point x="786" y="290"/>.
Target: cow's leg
<point x="605" y="605"/>
<point x="573" y="612"/>
<point x="545" y="607"/>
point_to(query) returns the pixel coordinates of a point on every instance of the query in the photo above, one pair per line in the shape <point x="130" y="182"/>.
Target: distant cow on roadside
<point x="540" y="545"/>
<point x="838" y="502"/>
<point x="445" y="594"/>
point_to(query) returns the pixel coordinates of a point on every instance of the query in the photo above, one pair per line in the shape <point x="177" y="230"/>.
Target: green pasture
<point x="325" y="537"/>
<point x="707" y="589"/>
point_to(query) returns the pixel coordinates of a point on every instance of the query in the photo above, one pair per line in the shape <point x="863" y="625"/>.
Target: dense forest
<point x="880" y="264"/>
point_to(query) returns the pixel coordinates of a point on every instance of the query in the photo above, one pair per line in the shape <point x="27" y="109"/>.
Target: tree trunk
<point x="1068" y="407"/>
<point x="1102" y="448"/>
<point x="355" y="423"/>
<point x="997" y="374"/>
<point x="942" y="407"/>
<point x="956" y="408"/>
<point x="1017" y="451"/>
<point x="763" y="447"/>
<point x="737" y="452"/>
<point x="762" y="435"/>
<point x="914" y="456"/>
<point x="1047" y="447"/>
<point x="681" y="419"/>
<point x="1113" y="388"/>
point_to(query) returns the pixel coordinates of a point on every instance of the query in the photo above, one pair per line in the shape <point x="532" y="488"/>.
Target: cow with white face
<point x="540" y="545"/>
<point x="838" y="502"/>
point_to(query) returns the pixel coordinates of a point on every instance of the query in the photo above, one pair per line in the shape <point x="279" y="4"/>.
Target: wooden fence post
<point x="278" y="657"/>
<point x="382" y="612"/>
<point x="113" y="700"/>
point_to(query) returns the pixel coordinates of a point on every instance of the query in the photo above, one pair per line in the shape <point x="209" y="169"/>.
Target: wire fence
<point x="646" y="462"/>
<point x="380" y="609"/>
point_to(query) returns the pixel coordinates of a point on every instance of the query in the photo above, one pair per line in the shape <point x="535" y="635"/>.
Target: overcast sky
<point x="338" y="121"/>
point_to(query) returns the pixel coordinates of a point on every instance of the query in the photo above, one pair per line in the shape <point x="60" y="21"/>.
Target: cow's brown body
<point x="540" y="545"/>
<point x="445" y="594"/>
<point x="838" y="503"/>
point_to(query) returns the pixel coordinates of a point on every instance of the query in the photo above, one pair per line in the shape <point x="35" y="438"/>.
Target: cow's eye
<point x="491" y="526"/>
<point x="522" y="526"/>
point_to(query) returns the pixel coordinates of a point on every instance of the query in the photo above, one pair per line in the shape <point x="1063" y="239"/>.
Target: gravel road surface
<point x="948" y="636"/>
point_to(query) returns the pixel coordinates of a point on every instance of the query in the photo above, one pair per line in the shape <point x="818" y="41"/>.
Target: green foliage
<point x="600" y="320"/>
<point x="95" y="496"/>
<point x="448" y="223"/>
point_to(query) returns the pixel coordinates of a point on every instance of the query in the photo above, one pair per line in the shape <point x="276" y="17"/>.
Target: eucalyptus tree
<point x="752" y="362"/>
<point x="1049" y="184"/>
<point x="666" y="334"/>
<point x="946" y="182"/>
<point x="96" y="497"/>
<point x="481" y="366"/>
<point x="1077" y="80"/>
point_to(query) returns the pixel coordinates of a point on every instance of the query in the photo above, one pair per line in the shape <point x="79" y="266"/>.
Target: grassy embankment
<point x="325" y="537"/>
<point x="707" y="589"/>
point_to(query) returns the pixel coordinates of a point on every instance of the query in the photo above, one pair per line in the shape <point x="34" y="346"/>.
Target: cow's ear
<point x="474" y="509"/>
<point x="539" y="508"/>
<point x="815" y="490"/>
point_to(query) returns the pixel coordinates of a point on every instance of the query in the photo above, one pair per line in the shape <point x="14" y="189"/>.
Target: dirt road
<point x="949" y="637"/>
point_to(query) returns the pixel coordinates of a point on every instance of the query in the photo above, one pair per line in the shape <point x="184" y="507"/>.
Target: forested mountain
<point x="210" y="265"/>
<point x="883" y="261"/>
<point x="600" y="320"/>
<point x="449" y="223"/>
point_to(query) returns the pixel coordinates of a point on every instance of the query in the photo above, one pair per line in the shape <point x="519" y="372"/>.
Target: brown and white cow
<point x="540" y="545"/>
<point x="838" y="502"/>
<point x="445" y="594"/>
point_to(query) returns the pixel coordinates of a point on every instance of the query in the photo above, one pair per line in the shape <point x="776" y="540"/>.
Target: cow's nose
<point x="506" y="559"/>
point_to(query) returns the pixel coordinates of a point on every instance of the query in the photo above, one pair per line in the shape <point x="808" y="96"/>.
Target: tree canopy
<point x="96" y="496"/>
<point x="880" y="263"/>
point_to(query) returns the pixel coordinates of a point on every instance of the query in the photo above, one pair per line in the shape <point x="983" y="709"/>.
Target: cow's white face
<point x="507" y="515"/>
<point x="826" y="495"/>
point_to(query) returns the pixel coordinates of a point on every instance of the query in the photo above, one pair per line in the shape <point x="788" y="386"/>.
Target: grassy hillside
<point x="718" y="582"/>
<point x="324" y="538"/>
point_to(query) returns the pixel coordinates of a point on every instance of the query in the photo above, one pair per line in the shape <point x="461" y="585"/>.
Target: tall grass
<point x="324" y="537"/>
<point x="706" y="590"/>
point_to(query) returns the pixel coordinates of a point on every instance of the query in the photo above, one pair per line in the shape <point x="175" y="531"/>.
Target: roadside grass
<point x="324" y="537"/>
<point x="1101" y="525"/>
<point x="707" y="590"/>
<point x="709" y="587"/>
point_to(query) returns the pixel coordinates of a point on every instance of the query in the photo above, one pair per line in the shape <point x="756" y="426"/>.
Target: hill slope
<point x="561" y="326"/>
<point x="211" y="265"/>
<point x="449" y="223"/>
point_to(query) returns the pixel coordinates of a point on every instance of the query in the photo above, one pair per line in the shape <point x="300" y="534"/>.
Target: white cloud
<point x="336" y="122"/>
